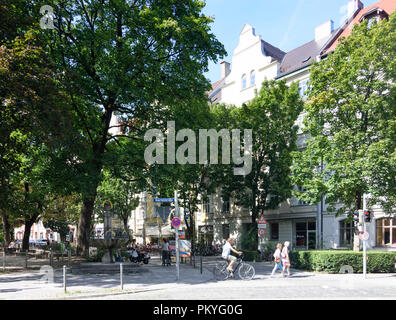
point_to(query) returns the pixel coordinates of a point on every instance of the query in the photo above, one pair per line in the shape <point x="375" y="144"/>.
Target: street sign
<point x="261" y="232"/>
<point x="164" y="199"/>
<point x="182" y="235"/>
<point x="364" y="236"/>
<point x="176" y="222"/>
<point x="262" y="223"/>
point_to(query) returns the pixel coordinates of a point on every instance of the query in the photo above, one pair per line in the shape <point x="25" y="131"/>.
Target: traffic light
<point x="356" y="217"/>
<point x="367" y="216"/>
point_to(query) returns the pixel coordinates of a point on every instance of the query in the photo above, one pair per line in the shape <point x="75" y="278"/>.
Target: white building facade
<point x="305" y="226"/>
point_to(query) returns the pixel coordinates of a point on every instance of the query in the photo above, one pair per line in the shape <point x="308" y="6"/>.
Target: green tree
<point x="271" y="115"/>
<point x="131" y="58"/>
<point x="123" y="196"/>
<point x="350" y="119"/>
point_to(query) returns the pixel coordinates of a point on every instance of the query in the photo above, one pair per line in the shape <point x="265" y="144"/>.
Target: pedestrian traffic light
<point x="367" y="216"/>
<point x="356" y="217"/>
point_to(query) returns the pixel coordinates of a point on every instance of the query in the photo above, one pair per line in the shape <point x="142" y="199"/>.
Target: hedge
<point x="332" y="261"/>
<point x="251" y="255"/>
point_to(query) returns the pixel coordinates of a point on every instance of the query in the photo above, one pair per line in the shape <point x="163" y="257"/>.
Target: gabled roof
<point x="215" y="94"/>
<point x="389" y="6"/>
<point x="272" y="51"/>
<point x="302" y="56"/>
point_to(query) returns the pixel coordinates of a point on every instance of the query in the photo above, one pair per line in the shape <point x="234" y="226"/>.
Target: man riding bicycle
<point x="227" y="248"/>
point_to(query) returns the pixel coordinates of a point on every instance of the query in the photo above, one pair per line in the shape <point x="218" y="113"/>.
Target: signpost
<point x="176" y="223"/>
<point x="364" y="236"/>
<point x="262" y="229"/>
<point x="262" y="226"/>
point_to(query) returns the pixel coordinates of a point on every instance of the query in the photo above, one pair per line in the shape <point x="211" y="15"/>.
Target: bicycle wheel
<point x="246" y="271"/>
<point x="220" y="271"/>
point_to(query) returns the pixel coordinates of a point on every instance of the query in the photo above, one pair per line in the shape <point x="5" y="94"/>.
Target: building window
<point x="298" y="202"/>
<point x="274" y="231"/>
<point x="386" y="232"/>
<point x="244" y="81"/>
<point x="225" y="208"/>
<point x="206" y="207"/>
<point x="303" y="88"/>
<point x="346" y="233"/>
<point x="306" y="234"/>
<point x="252" y="78"/>
<point x="371" y="21"/>
<point x="225" y="230"/>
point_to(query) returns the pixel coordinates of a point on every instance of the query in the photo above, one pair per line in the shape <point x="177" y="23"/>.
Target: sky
<point x="286" y="24"/>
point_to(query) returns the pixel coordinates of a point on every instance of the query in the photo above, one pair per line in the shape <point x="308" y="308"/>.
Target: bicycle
<point x="245" y="270"/>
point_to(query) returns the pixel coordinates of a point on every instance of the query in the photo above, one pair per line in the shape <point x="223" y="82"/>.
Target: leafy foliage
<point x="350" y="120"/>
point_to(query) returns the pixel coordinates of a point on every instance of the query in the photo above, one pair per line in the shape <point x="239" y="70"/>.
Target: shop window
<point x="306" y="234"/>
<point x="301" y="234"/>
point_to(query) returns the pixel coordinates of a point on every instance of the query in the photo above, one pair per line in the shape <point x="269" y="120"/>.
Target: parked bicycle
<point x="245" y="270"/>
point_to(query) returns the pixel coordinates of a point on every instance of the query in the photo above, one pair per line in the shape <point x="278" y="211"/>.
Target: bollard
<point x="121" y="277"/>
<point x="200" y="262"/>
<point x="26" y="259"/>
<point x="51" y="258"/>
<point x="194" y="260"/>
<point x="64" y="279"/>
<point x="69" y="257"/>
<point x="4" y="260"/>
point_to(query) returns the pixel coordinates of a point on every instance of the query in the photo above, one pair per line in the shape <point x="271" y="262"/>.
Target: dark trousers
<point x="165" y="257"/>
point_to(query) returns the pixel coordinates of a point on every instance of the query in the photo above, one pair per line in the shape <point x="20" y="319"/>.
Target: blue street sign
<point x="164" y="199"/>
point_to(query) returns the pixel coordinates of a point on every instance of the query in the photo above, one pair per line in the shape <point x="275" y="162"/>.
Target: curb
<point x="98" y="295"/>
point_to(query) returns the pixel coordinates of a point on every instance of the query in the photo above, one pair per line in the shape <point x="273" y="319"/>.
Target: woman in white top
<point x="286" y="259"/>
<point x="277" y="259"/>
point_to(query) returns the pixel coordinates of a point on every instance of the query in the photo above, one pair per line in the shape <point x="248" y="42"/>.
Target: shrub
<point x="332" y="261"/>
<point x="251" y="255"/>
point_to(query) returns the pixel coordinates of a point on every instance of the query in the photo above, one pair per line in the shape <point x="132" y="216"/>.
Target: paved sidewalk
<point x="31" y="285"/>
<point x="160" y="283"/>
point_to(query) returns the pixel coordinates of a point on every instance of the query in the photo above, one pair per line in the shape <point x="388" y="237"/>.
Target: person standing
<point x="286" y="259"/>
<point x="165" y="252"/>
<point x="277" y="259"/>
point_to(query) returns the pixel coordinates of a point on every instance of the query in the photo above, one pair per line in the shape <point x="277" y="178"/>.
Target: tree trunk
<point x="84" y="226"/>
<point x="26" y="235"/>
<point x="125" y="221"/>
<point x="6" y="229"/>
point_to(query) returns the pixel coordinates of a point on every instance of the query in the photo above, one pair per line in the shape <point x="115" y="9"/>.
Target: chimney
<point x="354" y="6"/>
<point x="324" y="30"/>
<point x="225" y="69"/>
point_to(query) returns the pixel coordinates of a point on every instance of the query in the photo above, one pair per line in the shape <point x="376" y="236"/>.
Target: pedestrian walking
<point x="277" y="259"/>
<point x="285" y="259"/>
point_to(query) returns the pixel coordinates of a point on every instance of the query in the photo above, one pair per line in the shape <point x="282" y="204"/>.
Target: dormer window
<point x="252" y="78"/>
<point x="374" y="14"/>
<point x="244" y="81"/>
<point x="371" y="21"/>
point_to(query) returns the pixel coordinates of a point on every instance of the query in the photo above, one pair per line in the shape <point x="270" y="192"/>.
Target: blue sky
<point x="286" y="24"/>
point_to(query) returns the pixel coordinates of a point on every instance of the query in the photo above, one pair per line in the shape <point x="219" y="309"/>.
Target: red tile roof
<point x="389" y="6"/>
